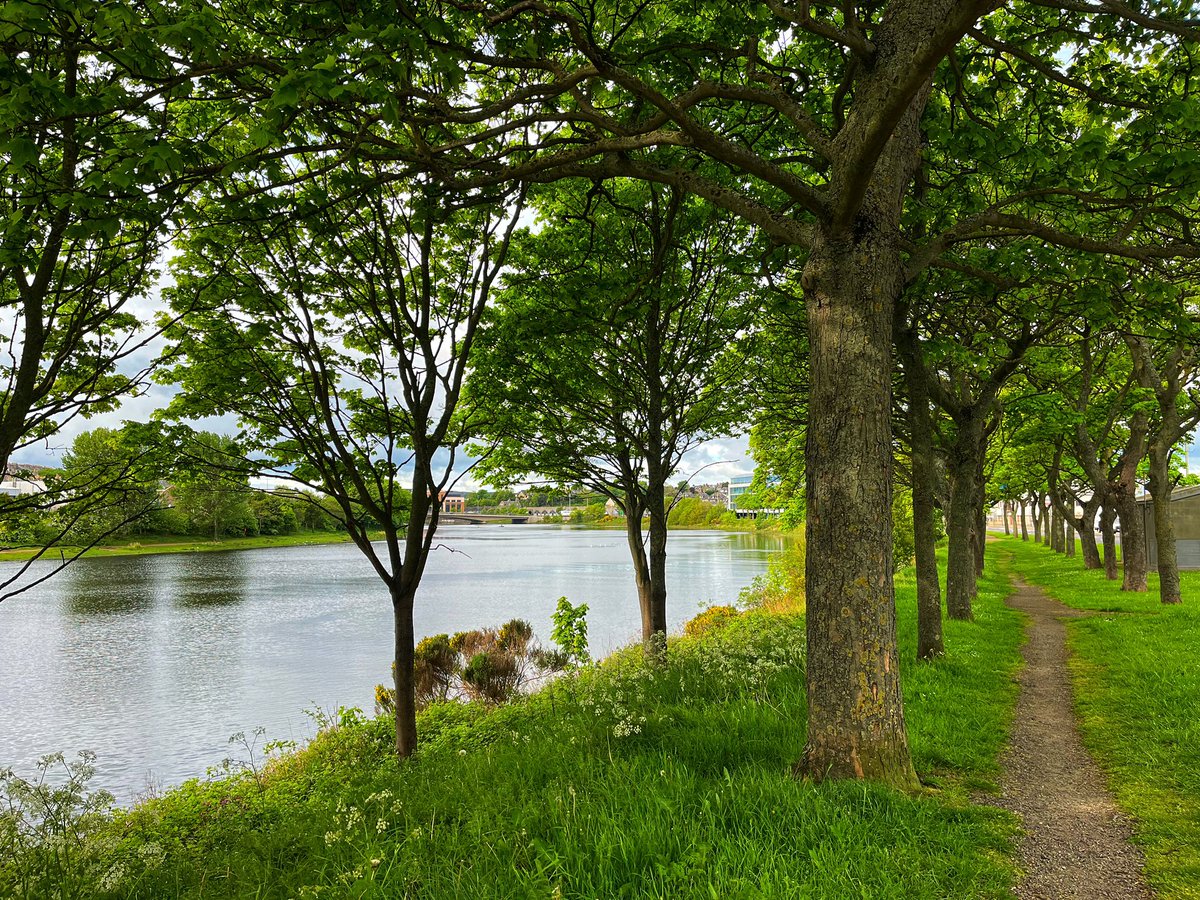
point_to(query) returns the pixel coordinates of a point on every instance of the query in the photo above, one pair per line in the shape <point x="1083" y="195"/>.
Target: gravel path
<point x="1077" y="843"/>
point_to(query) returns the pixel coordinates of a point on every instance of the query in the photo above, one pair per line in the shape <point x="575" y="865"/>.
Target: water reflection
<point x="210" y="579"/>
<point x="110" y="586"/>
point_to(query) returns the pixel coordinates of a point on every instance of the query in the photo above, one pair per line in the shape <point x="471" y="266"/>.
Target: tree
<point x="209" y="487"/>
<point x="616" y="322"/>
<point x="127" y="487"/>
<point x="1165" y="362"/>
<point x="336" y="320"/>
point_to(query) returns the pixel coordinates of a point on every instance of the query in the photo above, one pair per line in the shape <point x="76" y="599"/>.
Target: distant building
<point x="22" y="481"/>
<point x="454" y="502"/>
<point x="737" y="486"/>
<point x="1185" y="517"/>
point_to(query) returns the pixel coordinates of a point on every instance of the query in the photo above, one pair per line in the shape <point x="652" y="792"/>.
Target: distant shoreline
<point x="153" y="545"/>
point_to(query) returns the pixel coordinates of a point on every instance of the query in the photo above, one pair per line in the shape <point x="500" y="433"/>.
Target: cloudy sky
<point x="712" y="461"/>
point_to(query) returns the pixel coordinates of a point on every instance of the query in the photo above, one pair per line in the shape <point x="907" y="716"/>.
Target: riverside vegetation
<point x="622" y="778"/>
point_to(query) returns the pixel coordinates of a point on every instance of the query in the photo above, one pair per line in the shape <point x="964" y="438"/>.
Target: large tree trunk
<point x="1024" y="523"/>
<point x="1108" y="537"/>
<point x="855" y="713"/>
<point x="930" y="641"/>
<point x="1056" y="529"/>
<point x="1007" y="510"/>
<point x="1035" y="511"/>
<point x="1164" y="529"/>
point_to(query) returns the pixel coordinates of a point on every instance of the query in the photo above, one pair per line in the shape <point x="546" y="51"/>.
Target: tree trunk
<point x="1006" y="510"/>
<point x="1035" y="511"/>
<point x="1086" y="527"/>
<point x="1069" y="536"/>
<point x="1109" y="538"/>
<point x="855" y="712"/>
<point x="980" y="537"/>
<point x="641" y="569"/>
<point x="405" y="698"/>
<point x="1133" y="544"/>
<point x="1024" y="523"/>
<point x="654" y="620"/>
<point x="962" y="523"/>
<point x="1056" y="529"/>
<point x="1164" y="529"/>
<point x="930" y="641"/>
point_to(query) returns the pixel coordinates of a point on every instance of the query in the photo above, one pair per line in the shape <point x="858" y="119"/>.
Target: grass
<point x="1137" y="685"/>
<point x="623" y="781"/>
<point x="146" y="545"/>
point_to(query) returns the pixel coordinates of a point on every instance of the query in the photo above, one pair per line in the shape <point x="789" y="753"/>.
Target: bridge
<point x="480" y="519"/>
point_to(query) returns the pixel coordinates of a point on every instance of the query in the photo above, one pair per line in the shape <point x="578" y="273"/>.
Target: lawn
<point x="1137" y="681"/>
<point x="625" y="781"/>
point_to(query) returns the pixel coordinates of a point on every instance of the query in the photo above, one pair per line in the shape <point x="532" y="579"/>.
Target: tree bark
<point x="1035" y="511"/>
<point x="1024" y="523"/>
<point x="1169" y="590"/>
<point x="1056" y="529"/>
<point x="1006" y="510"/>
<point x="855" y="711"/>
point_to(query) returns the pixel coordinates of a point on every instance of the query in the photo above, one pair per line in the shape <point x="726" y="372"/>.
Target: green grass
<point x="146" y="545"/>
<point x="623" y="782"/>
<point x="1137" y="682"/>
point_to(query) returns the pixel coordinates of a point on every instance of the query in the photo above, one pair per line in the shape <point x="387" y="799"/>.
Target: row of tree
<point x="739" y="206"/>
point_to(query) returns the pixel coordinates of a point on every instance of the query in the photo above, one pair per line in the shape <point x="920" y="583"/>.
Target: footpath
<point x="1077" y="843"/>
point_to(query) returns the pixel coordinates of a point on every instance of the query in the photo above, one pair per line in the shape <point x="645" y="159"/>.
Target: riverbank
<point x="148" y="545"/>
<point x="622" y="780"/>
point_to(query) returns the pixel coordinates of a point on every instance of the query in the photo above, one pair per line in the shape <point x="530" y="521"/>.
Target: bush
<point x="782" y="587"/>
<point x="713" y="618"/>
<point x="53" y="832"/>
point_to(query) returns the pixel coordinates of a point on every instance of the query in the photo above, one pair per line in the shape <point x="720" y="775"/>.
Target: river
<point x="154" y="661"/>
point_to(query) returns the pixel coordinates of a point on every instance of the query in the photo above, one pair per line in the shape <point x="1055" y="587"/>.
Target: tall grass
<point x="1136" y="670"/>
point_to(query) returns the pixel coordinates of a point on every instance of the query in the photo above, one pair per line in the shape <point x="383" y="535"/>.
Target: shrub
<point x="53" y="839"/>
<point x="782" y="587"/>
<point x="570" y="632"/>
<point x="715" y="617"/>
<point x="486" y="664"/>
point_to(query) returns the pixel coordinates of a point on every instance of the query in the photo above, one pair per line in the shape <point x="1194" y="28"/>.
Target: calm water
<point x="154" y="661"/>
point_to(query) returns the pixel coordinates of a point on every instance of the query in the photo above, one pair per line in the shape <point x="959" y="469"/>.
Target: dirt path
<point x="1077" y="843"/>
